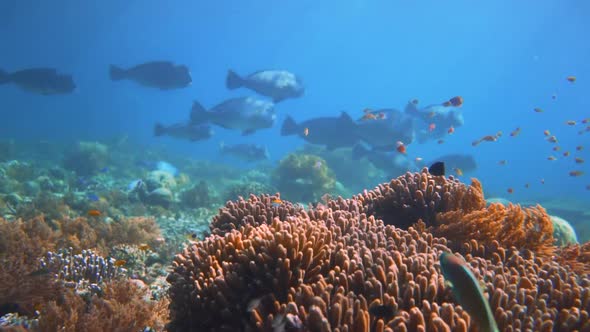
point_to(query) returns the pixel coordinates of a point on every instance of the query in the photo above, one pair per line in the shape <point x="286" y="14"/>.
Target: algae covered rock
<point x="303" y="177"/>
<point x="563" y="232"/>
<point x="87" y="158"/>
<point x="160" y="179"/>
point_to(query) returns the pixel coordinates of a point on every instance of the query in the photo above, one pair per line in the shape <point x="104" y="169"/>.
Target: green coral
<point x="244" y="189"/>
<point x="87" y="158"/>
<point x="303" y="177"/>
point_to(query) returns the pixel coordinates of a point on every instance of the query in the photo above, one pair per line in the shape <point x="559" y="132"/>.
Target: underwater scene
<point x="351" y="165"/>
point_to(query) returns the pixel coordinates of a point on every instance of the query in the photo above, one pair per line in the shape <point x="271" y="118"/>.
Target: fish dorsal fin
<point x="345" y="117"/>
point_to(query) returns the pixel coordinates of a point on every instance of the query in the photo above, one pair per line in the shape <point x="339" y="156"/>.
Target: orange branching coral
<point x="82" y="233"/>
<point x="524" y="228"/>
<point x="413" y="196"/>
<point x="576" y="256"/>
<point x="256" y="210"/>
<point x="324" y="270"/>
<point x="121" y="307"/>
<point x="21" y="245"/>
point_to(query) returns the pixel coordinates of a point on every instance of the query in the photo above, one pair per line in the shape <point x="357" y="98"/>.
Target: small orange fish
<point x="586" y="120"/>
<point x="570" y="123"/>
<point x="579" y="160"/>
<point x="510" y="190"/>
<point x="538" y="110"/>
<point x="547" y="132"/>
<point x="458" y="171"/>
<point x="571" y="79"/>
<point x="556" y="148"/>
<point x="431" y="127"/>
<point x="144" y="247"/>
<point x="503" y="162"/>
<point x="440" y="141"/>
<point x="579" y="148"/>
<point x="451" y="130"/>
<point x="515" y="132"/>
<point x="120" y="262"/>
<point x="552" y="139"/>
<point x="305" y="131"/>
<point x="368" y="116"/>
<point x="551" y="158"/>
<point x="401" y="148"/>
<point x="489" y="138"/>
<point x="566" y="154"/>
<point x="94" y="213"/>
<point x="276" y="202"/>
<point x="576" y="173"/>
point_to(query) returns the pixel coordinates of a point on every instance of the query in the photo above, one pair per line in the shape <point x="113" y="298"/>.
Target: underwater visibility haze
<point x="303" y="165"/>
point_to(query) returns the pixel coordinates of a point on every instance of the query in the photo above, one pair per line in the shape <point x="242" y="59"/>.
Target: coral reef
<point x="79" y="269"/>
<point x="21" y="286"/>
<point x="524" y="228"/>
<point x="563" y="232"/>
<point x="303" y="177"/>
<point x="87" y="158"/>
<point x="245" y="189"/>
<point x="199" y="195"/>
<point x="326" y="269"/>
<point x="121" y="307"/>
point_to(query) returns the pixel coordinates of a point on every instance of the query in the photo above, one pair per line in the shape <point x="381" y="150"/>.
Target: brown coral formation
<point x="21" y="245"/>
<point x="524" y="228"/>
<point x="324" y="270"/>
<point x="413" y="196"/>
<point x="576" y="256"/>
<point x="121" y="307"/>
<point x="255" y="211"/>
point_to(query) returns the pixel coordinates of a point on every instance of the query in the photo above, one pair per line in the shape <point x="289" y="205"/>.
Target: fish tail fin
<point x="289" y="127"/>
<point x="359" y="151"/>
<point x="198" y="113"/>
<point x="233" y="80"/>
<point x="4" y="78"/>
<point x="159" y="129"/>
<point x="116" y="73"/>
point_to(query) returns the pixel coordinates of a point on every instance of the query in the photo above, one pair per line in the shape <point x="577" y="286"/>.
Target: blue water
<point x="504" y="57"/>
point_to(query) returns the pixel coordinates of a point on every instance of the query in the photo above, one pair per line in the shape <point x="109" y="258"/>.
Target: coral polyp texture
<point x="332" y="268"/>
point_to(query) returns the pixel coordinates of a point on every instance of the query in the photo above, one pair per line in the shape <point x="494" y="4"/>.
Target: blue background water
<point x="504" y="57"/>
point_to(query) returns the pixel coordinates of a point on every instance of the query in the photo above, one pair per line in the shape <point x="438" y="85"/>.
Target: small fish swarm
<point x="270" y="268"/>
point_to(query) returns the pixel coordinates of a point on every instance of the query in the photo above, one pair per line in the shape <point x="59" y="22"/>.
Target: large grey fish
<point x="467" y="291"/>
<point x="276" y="84"/>
<point x="333" y="132"/>
<point x="442" y="117"/>
<point x="392" y="164"/>
<point x="247" y="114"/>
<point x="246" y="152"/>
<point x="383" y="133"/>
<point x="465" y="162"/>
<point x="188" y="131"/>
<point x="45" y="81"/>
<point x="163" y="75"/>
